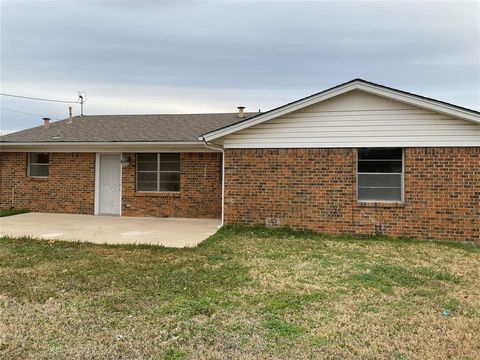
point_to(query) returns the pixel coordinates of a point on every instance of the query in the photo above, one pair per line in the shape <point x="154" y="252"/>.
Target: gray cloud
<point x="135" y="57"/>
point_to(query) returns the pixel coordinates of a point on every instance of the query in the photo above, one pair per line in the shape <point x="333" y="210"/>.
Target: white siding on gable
<point x="358" y="119"/>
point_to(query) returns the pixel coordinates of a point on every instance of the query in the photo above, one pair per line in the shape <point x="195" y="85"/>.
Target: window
<point x="158" y="172"/>
<point x="380" y="174"/>
<point x="38" y="164"/>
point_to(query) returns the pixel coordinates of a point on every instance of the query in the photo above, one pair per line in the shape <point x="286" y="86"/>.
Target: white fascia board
<point x="104" y="147"/>
<point x="357" y="85"/>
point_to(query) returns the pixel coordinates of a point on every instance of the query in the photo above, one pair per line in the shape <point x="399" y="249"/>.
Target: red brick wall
<point x="316" y="189"/>
<point x="68" y="189"/>
<point x="200" y="190"/>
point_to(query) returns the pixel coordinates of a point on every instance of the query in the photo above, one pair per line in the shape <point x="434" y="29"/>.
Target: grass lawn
<point x="243" y="293"/>
<point x="10" y="212"/>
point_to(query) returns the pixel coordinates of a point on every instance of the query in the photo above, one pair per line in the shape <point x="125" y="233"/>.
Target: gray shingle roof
<point x="127" y="128"/>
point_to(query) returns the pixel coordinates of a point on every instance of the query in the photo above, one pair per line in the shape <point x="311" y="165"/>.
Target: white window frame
<point x="158" y="171"/>
<point x="402" y="188"/>
<point x="29" y="163"/>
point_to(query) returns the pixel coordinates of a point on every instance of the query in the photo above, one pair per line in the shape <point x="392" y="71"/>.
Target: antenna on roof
<point x="82" y="98"/>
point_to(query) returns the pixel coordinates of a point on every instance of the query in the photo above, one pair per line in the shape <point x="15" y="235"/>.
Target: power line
<point x="25" y="113"/>
<point x="41" y="99"/>
<point x="82" y="98"/>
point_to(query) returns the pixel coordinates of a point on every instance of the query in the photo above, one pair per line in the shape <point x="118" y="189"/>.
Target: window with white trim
<point x="380" y="174"/>
<point x="38" y="164"/>
<point x="158" y="172"/>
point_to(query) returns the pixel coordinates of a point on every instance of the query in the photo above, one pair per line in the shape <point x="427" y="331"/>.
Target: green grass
<point x="10" y="212"/>
<point x="243" y="293"/>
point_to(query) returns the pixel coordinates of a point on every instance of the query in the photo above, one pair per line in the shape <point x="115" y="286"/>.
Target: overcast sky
<point x="184" y="57"/>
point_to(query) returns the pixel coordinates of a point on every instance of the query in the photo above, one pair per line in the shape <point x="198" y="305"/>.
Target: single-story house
<point x="357" y="158"/>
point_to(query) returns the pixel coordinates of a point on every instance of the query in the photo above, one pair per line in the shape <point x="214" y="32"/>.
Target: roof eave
<point x="191" y="146"/>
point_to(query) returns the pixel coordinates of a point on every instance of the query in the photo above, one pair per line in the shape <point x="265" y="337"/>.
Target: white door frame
<point x="97" y="182"/>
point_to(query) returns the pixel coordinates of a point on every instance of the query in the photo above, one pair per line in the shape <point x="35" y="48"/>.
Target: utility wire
<point x="23" y="112"/>
<point x="41" y="99"/>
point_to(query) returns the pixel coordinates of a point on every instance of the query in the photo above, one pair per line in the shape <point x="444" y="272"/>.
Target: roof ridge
<point x="163" y="114"/>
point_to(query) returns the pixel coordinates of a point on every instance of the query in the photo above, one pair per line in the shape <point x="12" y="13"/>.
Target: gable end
<point x="361" y="85"/>
<point x="357" y="119"/>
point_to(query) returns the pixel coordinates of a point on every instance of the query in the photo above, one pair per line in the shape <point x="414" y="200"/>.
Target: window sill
<point x="381" y="204"/>
<point x="37" y="178"/>
<point x="157" y="194"/>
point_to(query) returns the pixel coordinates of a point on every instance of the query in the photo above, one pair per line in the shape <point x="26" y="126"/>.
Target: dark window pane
<point x="380" y="153"/>
<point x="169" y="186"/>
<point x="169" y="157"/>
<point x="169" y="176"/>
<point x="379" y="180"/>
<point x="169" y="166"/>
<point x="147" y="186"/>
<point x="386" y="166"/>
<point x="150" y="177"/>
<point x="147" y="157"/>
<point x="38" y="170"/>
<point x="147" y="166"/>
<point x="39" y="158"/>
<point x="380" y="194"/>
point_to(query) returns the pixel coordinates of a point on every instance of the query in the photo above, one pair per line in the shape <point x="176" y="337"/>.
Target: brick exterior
<point x="303" y="188"/>
<point x="316" y="189"/>
<point x="70" y="187"/>
<point x="200" y="190"/>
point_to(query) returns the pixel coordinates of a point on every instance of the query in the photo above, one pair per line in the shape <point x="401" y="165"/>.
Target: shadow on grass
<point x="10" y="212"/>
<point x="286" y="232"/>
<point x="262" y="232"/>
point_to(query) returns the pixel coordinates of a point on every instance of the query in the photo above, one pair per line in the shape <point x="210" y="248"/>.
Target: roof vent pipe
<point x="46" y="122"/>
<point x="69" y="115"/>
<point x="241" y="114"/>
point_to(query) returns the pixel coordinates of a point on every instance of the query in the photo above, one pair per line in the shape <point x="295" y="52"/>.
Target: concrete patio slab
<point x="169" y="232"/>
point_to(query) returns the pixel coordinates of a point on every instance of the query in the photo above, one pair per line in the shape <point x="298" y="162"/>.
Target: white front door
<point x="109" y="184"/>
